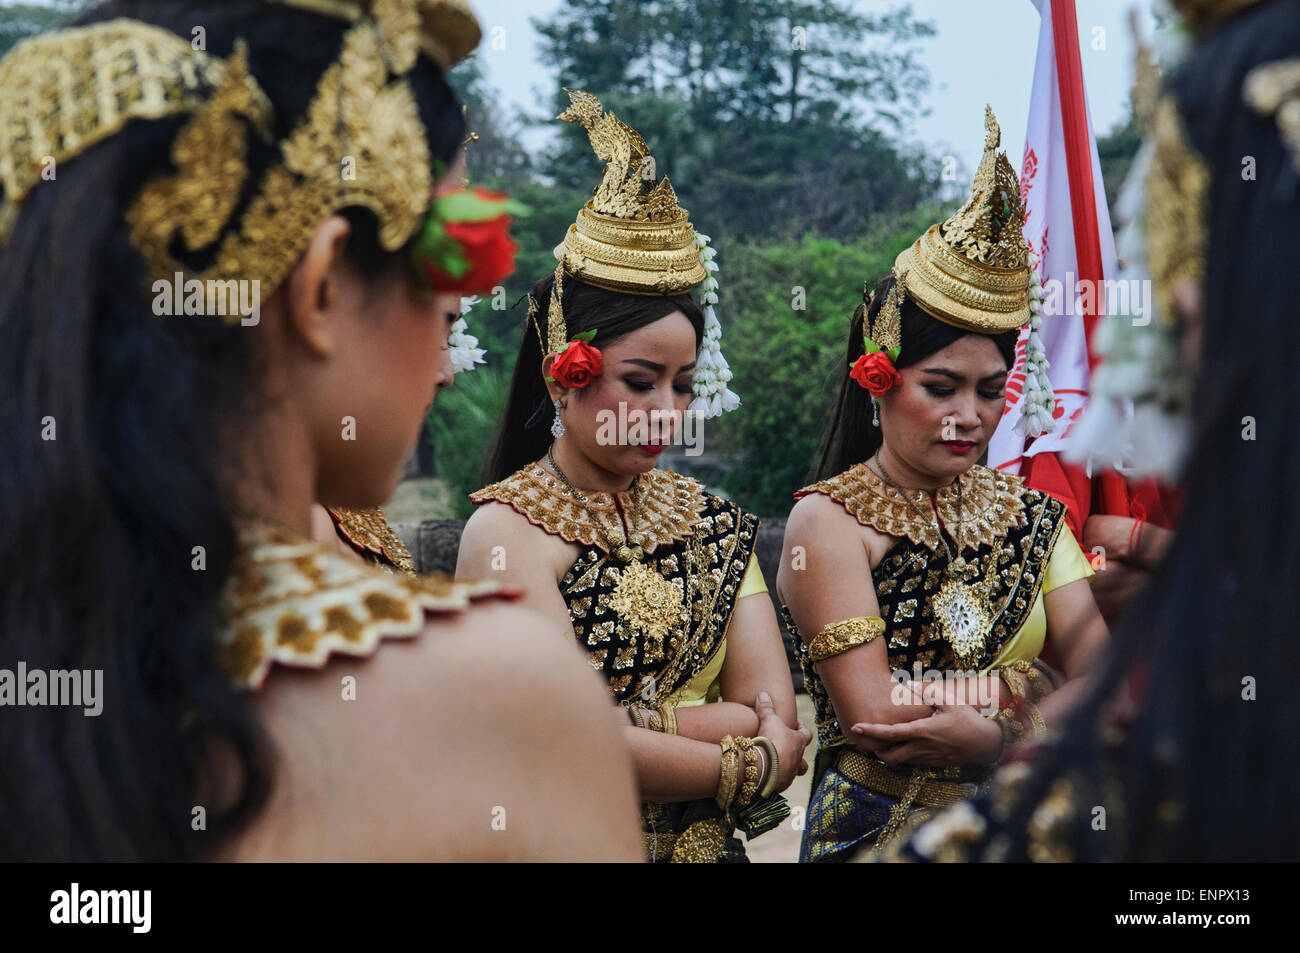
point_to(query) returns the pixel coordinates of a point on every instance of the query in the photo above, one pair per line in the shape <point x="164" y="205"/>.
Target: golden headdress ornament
<point x="633" y="237"/>
<point x="975" y="271"/>
<point x="360" y="142"/>
<point x="972" y="271"/>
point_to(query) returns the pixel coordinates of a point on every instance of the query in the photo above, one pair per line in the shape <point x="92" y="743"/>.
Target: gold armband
<point x="843" y="635"/>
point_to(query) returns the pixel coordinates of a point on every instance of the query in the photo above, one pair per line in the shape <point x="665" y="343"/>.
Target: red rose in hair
<point x="876" y="372"/>
<point x="465" y="246"/>
<point x="577" y="365"/>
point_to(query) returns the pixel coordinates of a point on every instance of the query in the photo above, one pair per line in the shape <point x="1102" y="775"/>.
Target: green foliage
<point x="461" y="426"/>
<point x="1116" y="151"/>
<point x="21" y="20"/>
<point x="786" y="362"/>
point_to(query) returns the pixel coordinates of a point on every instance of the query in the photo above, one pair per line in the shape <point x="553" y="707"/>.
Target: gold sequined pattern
<point x="658" y="621"/>
<point x="357" y="113"/>
<point x="63" y="92"/>
<point x="1178" y="188"/>
<point x="991" y="505"/>
<point x="670" y="506"/>
<point x="368" y="532"/>
<point x="291" y="601"/>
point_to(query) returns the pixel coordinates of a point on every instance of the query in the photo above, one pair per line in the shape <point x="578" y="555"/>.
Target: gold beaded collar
<point x="670" y="505"/>
<point x="292" y="601"/>
<point x="991" y="505"/>
<point x="369" y="533"/>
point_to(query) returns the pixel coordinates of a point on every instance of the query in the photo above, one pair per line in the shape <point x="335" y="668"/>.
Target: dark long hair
<point x="850" y="436"/>
<point x="1212" y="760"/>
<point x="525" y="430"/>
<point x="116" y="426"/>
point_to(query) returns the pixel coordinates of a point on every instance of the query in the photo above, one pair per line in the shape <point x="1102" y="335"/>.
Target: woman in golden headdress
<point x="1205" y="766"/>
<point x="224" y="301"/>
<point x="924" y="677"/>
<point x="654" y="577"/>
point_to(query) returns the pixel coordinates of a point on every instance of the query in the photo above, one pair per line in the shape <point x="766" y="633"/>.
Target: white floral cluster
<point x="712" y="373"/>
<point x="465" y="352"/>
<point x="1038" y="400"/>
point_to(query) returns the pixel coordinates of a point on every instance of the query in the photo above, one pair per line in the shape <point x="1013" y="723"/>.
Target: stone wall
<point x="434" y="543"/>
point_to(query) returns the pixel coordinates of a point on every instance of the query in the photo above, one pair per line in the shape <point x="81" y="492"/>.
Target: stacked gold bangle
<point x="742" y="776"/>
<point x="1026" y="685"/>
<point x="749" y="784"/>
<point x="839" y="637"/>
<point x="773" y="766"/>
<point x="662" y="719"/>
<point x="730" y="775"/>
<point x="668" y="714"/>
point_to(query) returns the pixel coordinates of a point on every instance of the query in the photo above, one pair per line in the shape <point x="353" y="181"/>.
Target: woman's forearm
<point x="710" y="722"/>
<point x="673" y="768"/>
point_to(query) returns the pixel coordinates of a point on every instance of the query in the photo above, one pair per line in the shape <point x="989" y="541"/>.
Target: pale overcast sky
<point x="983" y="53"/>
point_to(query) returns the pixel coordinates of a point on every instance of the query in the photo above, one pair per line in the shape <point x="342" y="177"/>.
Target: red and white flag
<point x="1067" y="223"/>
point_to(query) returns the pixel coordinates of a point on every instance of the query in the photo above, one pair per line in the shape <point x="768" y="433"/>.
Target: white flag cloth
<point x="1049" y="230"/>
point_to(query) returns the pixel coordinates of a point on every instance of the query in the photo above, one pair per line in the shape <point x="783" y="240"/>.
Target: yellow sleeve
<point x="753" y="581"/>
<point x="1067" y="564"/>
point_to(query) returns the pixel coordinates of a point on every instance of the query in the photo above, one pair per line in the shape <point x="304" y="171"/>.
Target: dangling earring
<point x="557" y="425"/>
<point x="875" y="411"/>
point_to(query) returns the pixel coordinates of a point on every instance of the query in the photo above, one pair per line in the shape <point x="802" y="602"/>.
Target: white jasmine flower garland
<point x="712" y="373"/>
<point x="465" y="352"/>
<point x="1038" y="400"/>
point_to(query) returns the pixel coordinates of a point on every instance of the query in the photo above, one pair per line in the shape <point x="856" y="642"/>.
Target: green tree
<point x="772" y="118"/>
<point x="1116" y="151"/>
<point x="21" y="20"/>
<point x="787" y="308"/>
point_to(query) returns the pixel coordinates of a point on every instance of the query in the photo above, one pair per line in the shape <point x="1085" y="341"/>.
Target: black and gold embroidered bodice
<point x="653" y="624"/>
<point x="1007" y="532"/>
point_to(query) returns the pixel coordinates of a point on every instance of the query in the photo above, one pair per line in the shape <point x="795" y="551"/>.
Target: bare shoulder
<point x="815" y="512"/>
<point x="497" y="529"/>
<point x="485" y="738"/>
<point x="495" y="521"/>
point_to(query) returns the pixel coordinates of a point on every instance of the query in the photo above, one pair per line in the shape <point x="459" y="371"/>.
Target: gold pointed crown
<point x="972" y="271"/>
<point x="360" y="142"/>
<point x="631" y="236"/>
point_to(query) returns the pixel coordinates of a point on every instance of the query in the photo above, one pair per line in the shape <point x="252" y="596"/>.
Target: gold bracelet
<point x="635" y="712"/>
<point x="1040" y="685"/>
<point x="1015" y="684"/>
<point x="669" y="715"/>
<point x="654" y="720"/>
<point x="729" y="773"/>
<point x="1011" y="728"/>
<point x="1035" y="720"/>
<point x="841" y="636"/>
<point x="773" y="766"/>
<point x="749" y="786"/>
